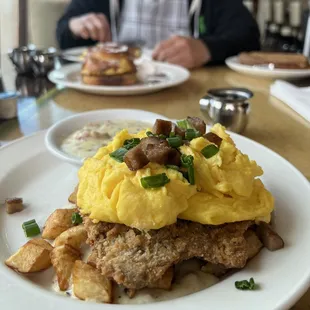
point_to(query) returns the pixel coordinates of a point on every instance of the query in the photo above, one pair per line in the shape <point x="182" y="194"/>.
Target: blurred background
<point x="282" y="22"/>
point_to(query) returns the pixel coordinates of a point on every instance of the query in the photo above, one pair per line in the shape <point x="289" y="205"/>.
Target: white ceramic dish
<point x="234" y="64"/>
<point x="70" y="76"/>
<point x="62" y="129"/>
<point x="44" y="182"/>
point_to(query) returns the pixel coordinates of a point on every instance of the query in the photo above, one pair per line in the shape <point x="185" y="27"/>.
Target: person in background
<point x="190" y="33"/>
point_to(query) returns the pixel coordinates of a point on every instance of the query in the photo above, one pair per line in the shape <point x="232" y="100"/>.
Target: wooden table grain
<point x="271" y="123"/>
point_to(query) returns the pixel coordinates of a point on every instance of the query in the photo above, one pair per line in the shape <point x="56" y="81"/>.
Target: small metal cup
<point x="227" y="106"/>
<point x="21" y="57"/>
<point x="43" y="61"/>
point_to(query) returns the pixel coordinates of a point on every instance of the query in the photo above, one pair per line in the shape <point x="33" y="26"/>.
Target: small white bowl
<point x="62" y="129"/>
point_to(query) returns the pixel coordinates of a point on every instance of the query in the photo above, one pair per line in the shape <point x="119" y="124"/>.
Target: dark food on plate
<point x="279" y="60"/>
<point x="14" y="205"/>
<point x="109" y="64"/>
<point x="151" y="202"/>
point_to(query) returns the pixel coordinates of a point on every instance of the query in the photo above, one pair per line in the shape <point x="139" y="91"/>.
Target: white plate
<point x="45" y="182"/>
<point x="69" y="76"/>
<point x="74" y="54"/>
<point x="62" y="129"/>
<point x="234" y="64"/>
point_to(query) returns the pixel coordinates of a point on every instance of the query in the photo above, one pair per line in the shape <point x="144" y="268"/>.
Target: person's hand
<point x="91" y="26"/>
<point x="184" y="51"/>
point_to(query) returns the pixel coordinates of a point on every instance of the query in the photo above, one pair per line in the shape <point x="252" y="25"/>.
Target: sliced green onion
<point x="188" y="162"/>
<point x="119" y="154"/>
<point x="191" y="134"/>
<point x="209" y="151"/>
<point x="28" y="223"/>
<point x="245" y="284"/>
<point x="173" y="167"/>
<point x="175" y="141"/>
<point x="191" y="175"/>
<point x="76" y="218"/>
<point x="184" y="124"/>
<point x="162" y="137"/>
<point x="131" y="143"/>
<point x="150" y="134"/>
<point x="171" y="134"/>
<point x="31" y="228"/>
<point x="155" y="181"/>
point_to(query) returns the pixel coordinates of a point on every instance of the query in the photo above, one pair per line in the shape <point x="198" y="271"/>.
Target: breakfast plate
<point x="75" y="54"/>
<point x="264" y="71"/>
<point x="45" y="182"/>
<point x="154" y="76"/>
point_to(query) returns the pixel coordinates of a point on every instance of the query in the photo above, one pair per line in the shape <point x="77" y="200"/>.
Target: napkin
<point x="297" y="98"/>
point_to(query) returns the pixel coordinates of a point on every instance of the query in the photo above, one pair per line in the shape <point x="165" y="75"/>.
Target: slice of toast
<point x="280" y="60"/>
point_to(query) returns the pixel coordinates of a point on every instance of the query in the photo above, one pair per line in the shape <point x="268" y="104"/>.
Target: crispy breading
<point x="138" y="259"/>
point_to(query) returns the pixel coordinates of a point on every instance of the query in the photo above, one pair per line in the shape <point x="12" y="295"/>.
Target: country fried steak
<point x="137" y="259"/>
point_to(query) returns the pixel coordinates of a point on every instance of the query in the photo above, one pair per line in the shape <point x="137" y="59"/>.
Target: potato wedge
<point x="72" y="197"/>
<point x="92" y="258"/>
<point x="58" y="222"/>
<point x="74" y="237"/>
<point x="63" y="258"/>
<point x="31" y="257"/>
<point x="89" y="283"/>
<point x="164" y="282"/>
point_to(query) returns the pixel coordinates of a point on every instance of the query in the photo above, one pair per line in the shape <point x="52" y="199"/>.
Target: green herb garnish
<point x="150" y="134"/>
<point x="119" y="154"/>
<point x="175" y="141"/>
<point x="184" y="124"/>
<point x="191" y="134"/>
<point x="76" y="218"/>
<point x="173" y="167"/>
<point x="131" y="143"/>
<point x="188" y="162"/>
<point x="245" y="285"/>
<point x="31" y="228"/>
<point x="209" y="151"/>
<point x="28" y="223"/>
<point x="155" y="181"/>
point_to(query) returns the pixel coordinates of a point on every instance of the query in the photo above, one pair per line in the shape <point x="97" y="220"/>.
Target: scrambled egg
<point x="226" y="188"/>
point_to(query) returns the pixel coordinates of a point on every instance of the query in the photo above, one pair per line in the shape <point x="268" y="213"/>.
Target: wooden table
<point x="271" y="123"/>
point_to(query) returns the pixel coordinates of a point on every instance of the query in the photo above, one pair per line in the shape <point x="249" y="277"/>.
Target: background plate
<point x="234" y="64"/>
<point x="69" y="76"/>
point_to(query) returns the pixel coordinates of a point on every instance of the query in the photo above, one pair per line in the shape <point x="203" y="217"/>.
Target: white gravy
<point x="86" y="141"/>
